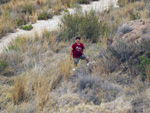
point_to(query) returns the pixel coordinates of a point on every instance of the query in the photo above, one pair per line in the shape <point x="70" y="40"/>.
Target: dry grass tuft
<point x="7" y="24"/>
<point x="147" y="71"/>
<point x="65" y="68"/>
<point x="18" y="92"/>
<point x="41" y="87"/>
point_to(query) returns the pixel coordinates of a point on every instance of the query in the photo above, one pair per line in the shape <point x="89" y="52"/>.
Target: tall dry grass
<point x="33" y="87"/>
<point x="40" y="64"/>
<point x="147" y="69"/>
<point x="18" y="92"/>
<point x="7" y="24"/>
<point x="65" y="67"/>
<point x="40" y="88"/>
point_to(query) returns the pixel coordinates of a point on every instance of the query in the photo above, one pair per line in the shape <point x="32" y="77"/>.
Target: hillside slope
<point x="36" y="72"/>
<point x="52" y="24"/>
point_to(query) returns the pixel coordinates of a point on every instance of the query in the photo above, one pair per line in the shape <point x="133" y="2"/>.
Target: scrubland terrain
<point x="48" y="23"/>
<point x="36" y="74"/>
<point x="17" y="13"/>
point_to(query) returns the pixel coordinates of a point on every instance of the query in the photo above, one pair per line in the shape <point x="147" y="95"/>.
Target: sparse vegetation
<point x="114" y="18"/>
<point x="29" y="11"/>
<point x="26" y="11"/>
<point x="36" y="74"/>
<point x="123" y="56"/>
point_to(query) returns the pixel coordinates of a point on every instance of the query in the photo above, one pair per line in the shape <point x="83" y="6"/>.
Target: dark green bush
<point x="86" y="25"/>
<point x="27" y="27"/>
<point x="144" y="61"/>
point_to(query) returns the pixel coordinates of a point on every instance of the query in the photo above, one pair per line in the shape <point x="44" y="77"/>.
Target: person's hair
<point x="78" y="38"/>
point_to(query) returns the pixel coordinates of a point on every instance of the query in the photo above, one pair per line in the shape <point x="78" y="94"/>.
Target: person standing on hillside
<point x="77" y="52"/>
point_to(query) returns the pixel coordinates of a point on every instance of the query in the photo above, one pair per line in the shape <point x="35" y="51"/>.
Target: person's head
<point x="78" y="39"/>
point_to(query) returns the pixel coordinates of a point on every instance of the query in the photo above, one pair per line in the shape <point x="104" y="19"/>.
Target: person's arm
<point x="71" y="53"/>
<point x="83" y="51"/>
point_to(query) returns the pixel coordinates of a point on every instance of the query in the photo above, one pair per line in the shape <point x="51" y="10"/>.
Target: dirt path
<point x="52" y="24"/>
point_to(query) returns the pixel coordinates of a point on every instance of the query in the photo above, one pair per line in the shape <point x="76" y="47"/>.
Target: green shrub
<point x="27" y="27"/>
<point x="10" y="47"/>
<point x="44" y="15"/>
<point x="27" y="8"/>
<point x="21" y="21"/>
<point x="86" y="25"/>
<point x="68" y="3"/>
<point x="144" y="61"/>
<point x="3" y="64"/>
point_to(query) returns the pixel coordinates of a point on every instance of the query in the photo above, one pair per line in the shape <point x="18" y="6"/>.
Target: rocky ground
<point x="134" y="31"/>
